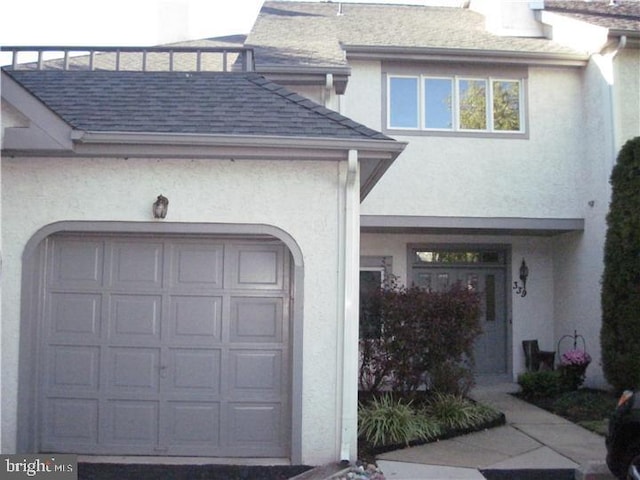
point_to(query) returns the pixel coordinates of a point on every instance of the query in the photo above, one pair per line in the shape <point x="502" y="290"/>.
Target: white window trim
<point x="456" y="128"/>
<point x="376" y="269"/>
<point x="521" y="103"/>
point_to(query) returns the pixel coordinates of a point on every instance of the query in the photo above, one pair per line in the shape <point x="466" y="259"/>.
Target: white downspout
<point x="612" y="101"/>
<point x="349" y="421"/>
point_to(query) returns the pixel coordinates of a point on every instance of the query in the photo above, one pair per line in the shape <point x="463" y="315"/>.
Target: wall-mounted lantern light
<point x="521" y="288"/>
<point x="160" y="207"/>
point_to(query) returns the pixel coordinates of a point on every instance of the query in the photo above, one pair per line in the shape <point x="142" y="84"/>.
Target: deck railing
<point x="173" y="58"/>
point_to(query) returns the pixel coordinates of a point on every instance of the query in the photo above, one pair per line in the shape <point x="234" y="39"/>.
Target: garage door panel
<point x="256" y="320"/>
<point x="137" y="265"/>
<point x="134" y="369"/>
<point x="75" y="316"/>
<point x="77" y="264"/>
<point x="132" y="422"/>
<point x="196" y="320"/>
<point x="70" y="421"/>
<point x="197" y="266"/>
<point x="135" y="318"/>
<point x="255" y="424"/>
<point x="254" y="372"/>
<point x="256" y="267"/>
<point x="194" y="423"/>
<point x="195" y="371"/>
<point x="74" y="368"/>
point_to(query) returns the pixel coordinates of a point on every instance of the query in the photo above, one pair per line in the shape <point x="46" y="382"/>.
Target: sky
<point x="128" y="22"/>
<point x="121" y="22"/>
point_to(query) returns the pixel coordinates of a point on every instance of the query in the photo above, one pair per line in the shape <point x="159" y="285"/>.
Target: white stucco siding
<point x="579" y="258"/>
<point x="302" y="201"/>
<point x="538" y="176"/>
<point x="627" y="94"/>
<point x="363" y="98"/>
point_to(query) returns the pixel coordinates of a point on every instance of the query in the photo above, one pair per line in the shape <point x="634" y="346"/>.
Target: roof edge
<point x="476" y="225"/>
<point x="45" y="127"/>
<point x="365" y="52"/>
<point x="197" y="139"/>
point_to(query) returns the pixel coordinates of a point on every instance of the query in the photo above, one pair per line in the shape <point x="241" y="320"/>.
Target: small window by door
<point x="370" y="322"/>
<point x="373" y="274"/>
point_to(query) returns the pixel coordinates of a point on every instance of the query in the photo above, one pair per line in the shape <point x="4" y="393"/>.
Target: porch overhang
<point x="512" y="226"/>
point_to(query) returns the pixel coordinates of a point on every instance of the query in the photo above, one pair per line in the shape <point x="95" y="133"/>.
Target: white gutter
<point x="349" y="420"/>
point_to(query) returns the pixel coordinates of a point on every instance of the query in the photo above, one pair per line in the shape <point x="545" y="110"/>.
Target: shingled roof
<point x="319" y="34"/>
<point x="186" y="102"/>
<point x="619" y="16"/>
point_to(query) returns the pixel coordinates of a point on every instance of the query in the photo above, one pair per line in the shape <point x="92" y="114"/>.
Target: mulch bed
<point x="533" y="474"/>
<point x="116" y="471"/>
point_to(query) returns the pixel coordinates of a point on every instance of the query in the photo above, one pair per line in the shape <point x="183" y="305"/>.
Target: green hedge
<point x="620" y="334"/>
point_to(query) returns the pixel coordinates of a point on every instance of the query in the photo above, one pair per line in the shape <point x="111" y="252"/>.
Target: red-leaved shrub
<point x="422" y="334"/>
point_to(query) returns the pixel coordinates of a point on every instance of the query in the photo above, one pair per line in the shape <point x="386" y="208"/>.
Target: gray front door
<point x="482" y="271"/>
<point x="165" y="346"/>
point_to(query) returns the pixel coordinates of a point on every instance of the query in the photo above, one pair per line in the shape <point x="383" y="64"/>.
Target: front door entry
<point x="479" y="270"/>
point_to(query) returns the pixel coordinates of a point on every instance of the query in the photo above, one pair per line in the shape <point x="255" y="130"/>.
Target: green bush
<point x="584" y="405"/>
<point x="389" y="421"/>
<point x="621" y="278"/>
<point x="540" y="384"/>
<point x="454" y="412"/>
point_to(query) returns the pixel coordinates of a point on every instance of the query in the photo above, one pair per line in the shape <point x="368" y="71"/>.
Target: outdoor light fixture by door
<point x="160" y="207"/>
<point x="521" y="289"/>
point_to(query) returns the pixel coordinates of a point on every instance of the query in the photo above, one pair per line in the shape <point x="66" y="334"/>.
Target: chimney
<point x="510" y="18"/>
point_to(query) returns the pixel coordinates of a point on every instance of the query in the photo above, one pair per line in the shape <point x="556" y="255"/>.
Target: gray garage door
<point x="165" y="346"/>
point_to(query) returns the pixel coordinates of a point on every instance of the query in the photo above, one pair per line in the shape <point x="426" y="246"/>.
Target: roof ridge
<point x="317" y="108"/>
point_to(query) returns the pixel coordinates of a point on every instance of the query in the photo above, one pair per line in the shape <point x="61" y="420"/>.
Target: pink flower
<point x="575" y="357"/>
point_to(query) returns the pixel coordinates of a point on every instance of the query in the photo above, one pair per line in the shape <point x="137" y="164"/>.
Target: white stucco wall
<point x="627" y="94"/>
<point x="303" y="201"/>
<point x="612" y="116"/>
<point x="363" y="98"/>
<point x="461" y="176"/>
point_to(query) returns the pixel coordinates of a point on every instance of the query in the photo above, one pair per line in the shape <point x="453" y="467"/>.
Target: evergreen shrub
<point x="620" y="295"/>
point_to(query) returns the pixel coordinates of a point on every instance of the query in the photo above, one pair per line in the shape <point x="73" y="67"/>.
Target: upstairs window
<point x="455" y="104"/>
<point x="404" y="111"/>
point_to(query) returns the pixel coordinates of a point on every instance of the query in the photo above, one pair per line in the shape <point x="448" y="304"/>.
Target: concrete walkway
<point x="533" y="440"/>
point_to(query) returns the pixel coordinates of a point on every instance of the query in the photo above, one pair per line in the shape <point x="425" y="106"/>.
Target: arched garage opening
<point x="161" y="339"/>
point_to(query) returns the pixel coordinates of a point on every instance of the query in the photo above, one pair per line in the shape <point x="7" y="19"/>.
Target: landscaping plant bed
<point x="445" y="416"/>
<point x="587" y="407"/>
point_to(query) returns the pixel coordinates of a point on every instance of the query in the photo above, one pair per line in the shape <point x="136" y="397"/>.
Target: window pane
<point x="473" y="104"/>
<point x="506" y="106"/>
<point x="459" y="257"/>
<point x="472" y="282"/>
<point x="370" y="321"/>
<point x="490" y="298"/>
<point x="424" y="280"/>
<point x="443" y="282"/>
<point x="403" y="102"/>
<point x="437" y="103"/>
